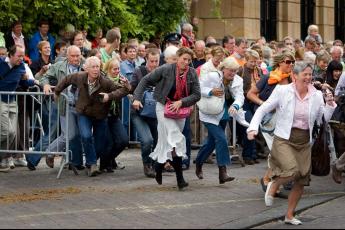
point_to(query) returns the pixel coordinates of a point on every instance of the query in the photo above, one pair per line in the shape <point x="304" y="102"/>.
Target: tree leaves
<point x="136" y="18"/>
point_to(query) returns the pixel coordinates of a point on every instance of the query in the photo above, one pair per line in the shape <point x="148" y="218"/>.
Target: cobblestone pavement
<point x="127" y="199"/>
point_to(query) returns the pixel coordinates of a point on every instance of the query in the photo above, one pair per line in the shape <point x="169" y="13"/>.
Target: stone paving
<point x="127" y="199"/>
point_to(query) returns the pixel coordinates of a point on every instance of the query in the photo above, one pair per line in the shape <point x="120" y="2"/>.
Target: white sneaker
<point x="21" y="162"/>
<point x="4" y="166"/>
<point x="11" y="163"/>
<point x="120" y="165"/>
<point x="268" y="198"/>
<point x="293" y="221"/>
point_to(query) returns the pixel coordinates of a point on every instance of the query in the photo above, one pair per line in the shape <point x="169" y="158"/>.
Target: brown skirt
<point x="292" y="157"/>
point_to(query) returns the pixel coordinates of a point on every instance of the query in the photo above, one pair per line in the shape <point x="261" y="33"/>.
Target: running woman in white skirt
<point x="178" y="83"/>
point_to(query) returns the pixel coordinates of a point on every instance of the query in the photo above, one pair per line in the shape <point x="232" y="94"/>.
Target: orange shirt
<point x="241" y="61"/>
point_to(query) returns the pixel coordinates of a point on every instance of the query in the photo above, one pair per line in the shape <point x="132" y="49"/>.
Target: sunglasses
<point x="289" y="62"/>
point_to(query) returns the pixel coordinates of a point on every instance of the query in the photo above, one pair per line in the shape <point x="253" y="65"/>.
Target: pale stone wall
<point x="288" y="19"/>
<point x="325" y="19"/>
<point x="242" y="18"/>
<point x="238" y="18"/>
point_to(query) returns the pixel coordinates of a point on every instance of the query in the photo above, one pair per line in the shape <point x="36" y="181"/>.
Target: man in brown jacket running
<point x="94" y="98"/>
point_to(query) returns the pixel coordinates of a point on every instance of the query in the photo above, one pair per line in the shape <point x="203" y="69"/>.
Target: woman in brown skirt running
<point x="298" y="106"/>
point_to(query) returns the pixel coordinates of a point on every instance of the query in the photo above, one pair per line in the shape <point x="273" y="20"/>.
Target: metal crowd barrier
<point x="198" y="133"/>
<point x="28" y="117"/>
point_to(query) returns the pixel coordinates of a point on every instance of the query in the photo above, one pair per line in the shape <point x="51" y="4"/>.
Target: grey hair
<point x="267" y="52"/>
<point x="70" y="48"/>
<point x="170" y="51"/>
<point x="300" y="66"/>
<point x="187" y="27"/>
<point x="200" y="42"/>
<point x="90" y="60"/>
<point x="309" y="57"/>
<point x="337" y="48"/>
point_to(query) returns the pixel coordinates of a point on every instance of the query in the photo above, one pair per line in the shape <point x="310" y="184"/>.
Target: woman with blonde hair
<point x="117" y="137"/>
<point x="281" y="75"/>
<point x="228" y="85"/>
<point x="322" y="60"/>
<point x="40" y="66"/>
<point x="251" y="74"/>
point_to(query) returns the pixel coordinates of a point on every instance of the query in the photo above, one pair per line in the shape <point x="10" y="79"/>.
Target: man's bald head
<point x="74" y="55"/>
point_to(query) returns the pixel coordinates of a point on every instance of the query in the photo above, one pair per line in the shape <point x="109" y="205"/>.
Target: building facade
<point x="273" y="19"/>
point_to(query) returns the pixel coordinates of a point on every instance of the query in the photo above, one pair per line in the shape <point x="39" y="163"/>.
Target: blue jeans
<point x="117" y="140"/>
<point x="216" y="139"/>
<point x="49" y="111"/>
<point x="75" y="144"/>
<point x="249" y="147"/>
<point x="126" y="120"/>
<point x="187" y="133"/>
<point x="93" y="137"/>
<point x="148" y="135"/>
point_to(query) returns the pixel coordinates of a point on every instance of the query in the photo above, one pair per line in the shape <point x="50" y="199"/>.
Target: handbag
<point x="320" y="154"/>
<point x="211" y="105"/>
<point x="149" y="105"/>
<point x="181" y="113"/>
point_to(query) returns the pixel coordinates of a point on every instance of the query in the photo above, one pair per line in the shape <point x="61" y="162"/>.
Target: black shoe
<point x="78" y="167"/>
<point x="159" y="169"/>
<point x="30" y="166"/>
<point x="182" y="184"/>
<point x="249" y="162"/>
<point x="108" y="169"/>
<point x="159" y="178"/>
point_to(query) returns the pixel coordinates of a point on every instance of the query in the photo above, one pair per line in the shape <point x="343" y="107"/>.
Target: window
<point x="339" y="18"/>
<point x="307" y="16"/>
<point x="268" y="19"/>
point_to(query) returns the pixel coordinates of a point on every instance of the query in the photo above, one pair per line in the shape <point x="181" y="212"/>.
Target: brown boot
<point x="223" y="176"/>
<point x="50" y="161"/>
<point x="198" y="171"/>
<point x="148" y="171"/>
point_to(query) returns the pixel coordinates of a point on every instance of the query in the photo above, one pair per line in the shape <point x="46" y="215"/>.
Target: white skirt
<point x="169" y="136"/>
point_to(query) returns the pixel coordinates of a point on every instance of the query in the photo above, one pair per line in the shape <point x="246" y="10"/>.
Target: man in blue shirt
<point x="41" y="35"/>
<point x="12" y="74"/>
<point x="127" y="68"/>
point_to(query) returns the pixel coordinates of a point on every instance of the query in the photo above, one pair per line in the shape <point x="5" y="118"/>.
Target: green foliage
<point x="136" y="18"/>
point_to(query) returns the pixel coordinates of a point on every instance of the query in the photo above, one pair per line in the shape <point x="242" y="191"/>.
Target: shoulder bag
<point x="211" y="105"/>
<point x="320" y="154"/>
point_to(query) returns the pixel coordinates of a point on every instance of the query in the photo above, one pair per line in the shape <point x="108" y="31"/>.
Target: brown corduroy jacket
<point x="90" y="104"/>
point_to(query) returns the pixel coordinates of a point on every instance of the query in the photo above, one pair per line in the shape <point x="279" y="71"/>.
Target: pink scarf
<point x="181" y="84"/>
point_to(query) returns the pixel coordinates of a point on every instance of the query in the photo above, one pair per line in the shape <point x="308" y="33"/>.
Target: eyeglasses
<point x="289" y="62"/>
